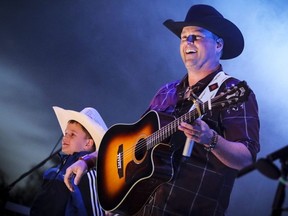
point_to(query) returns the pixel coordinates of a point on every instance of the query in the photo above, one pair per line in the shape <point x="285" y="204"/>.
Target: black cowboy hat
<point x="209" y="18"/>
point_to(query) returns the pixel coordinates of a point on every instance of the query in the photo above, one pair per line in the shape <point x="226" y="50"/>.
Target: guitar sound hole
<point x="141" y="149"/>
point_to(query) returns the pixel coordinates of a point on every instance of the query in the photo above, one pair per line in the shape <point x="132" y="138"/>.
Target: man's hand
<point x="198" y="131"/>
<point x="79" y="168"/>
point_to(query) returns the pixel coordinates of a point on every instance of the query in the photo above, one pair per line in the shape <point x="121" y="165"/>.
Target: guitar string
<point x="157" y="137"/>
<point x="146" y="143"/>
<point x="167" y="128"/>
<point x="153" y="138"/>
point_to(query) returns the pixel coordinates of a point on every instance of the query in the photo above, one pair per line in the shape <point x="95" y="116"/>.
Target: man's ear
<point x="220" y="43"/>
<point x="220" y="46"/>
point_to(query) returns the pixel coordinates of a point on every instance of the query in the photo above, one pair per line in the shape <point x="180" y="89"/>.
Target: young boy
<point x="82" y="132"/>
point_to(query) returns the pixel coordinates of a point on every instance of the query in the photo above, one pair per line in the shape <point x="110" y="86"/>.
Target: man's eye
<point x="183" y="38"/>
<point x="198" y="37"/>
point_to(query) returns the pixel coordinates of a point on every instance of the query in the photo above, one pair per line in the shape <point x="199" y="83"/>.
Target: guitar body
<point x="128" y="170"/>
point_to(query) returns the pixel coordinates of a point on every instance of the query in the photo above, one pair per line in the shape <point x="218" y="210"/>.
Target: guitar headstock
<point x="232" y="96"/>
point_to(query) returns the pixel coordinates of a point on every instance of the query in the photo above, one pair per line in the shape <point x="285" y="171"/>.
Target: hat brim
<point x="96" y="130"/>
<point x="223" y="28"/>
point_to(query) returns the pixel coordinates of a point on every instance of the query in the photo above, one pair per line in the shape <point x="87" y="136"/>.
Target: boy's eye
<point x="70" y="134"/>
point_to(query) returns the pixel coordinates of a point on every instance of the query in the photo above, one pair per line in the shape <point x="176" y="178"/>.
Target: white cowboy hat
<point x="89" y="118"/>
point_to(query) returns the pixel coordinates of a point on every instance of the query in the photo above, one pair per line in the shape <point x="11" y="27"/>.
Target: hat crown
<point x="202" y="11"/>
<point x="91" y="113"/>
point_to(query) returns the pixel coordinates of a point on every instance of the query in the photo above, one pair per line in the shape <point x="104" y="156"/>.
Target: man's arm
<point x="232" y="154"/>
<point x="79" y="168"/>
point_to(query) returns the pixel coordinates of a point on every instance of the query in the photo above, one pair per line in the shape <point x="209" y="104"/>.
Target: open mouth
<point x="189" y="51"/>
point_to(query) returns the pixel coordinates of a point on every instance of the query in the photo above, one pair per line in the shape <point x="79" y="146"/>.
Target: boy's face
<point x="75" y="139"/>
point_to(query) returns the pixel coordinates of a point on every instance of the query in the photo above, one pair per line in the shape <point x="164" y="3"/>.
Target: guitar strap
<point x="208" y="93"/>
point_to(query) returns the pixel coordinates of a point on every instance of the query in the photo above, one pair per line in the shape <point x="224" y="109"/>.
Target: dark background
<point x="114" y="55"/>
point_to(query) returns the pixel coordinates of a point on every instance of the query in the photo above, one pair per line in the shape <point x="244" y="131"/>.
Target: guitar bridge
<point x="120" y="161"/>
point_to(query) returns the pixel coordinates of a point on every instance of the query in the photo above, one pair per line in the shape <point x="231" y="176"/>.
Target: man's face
<point x="75" y="139"/>
<point x="198" y="46"/>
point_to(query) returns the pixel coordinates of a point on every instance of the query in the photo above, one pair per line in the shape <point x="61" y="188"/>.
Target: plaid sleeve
<point x="165" y="99"/>
<point x="241" y="124"/>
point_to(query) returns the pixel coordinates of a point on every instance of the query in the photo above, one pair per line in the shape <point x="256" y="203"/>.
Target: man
<point x="222" y="142"/>
<point x="82" y="132"/>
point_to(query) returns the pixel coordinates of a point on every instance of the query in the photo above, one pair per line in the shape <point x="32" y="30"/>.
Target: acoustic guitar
<point x="134" y="159"/>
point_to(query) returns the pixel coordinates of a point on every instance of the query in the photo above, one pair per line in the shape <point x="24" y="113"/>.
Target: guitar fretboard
<point x="169" y="129"/>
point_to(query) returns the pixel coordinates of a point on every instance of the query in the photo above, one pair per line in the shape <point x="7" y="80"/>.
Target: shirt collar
<point x="200" y="85"/>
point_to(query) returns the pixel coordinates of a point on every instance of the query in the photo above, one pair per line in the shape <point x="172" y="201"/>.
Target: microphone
<point x="268" y="168"/>
<point x="266" y="165"/>
<point x="279" y="154"/>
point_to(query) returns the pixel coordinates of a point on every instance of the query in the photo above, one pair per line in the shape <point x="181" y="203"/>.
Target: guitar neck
<point x="169" y="129"/>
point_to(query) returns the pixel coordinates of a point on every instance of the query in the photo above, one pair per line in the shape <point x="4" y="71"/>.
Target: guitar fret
<point x="169" y="129"/>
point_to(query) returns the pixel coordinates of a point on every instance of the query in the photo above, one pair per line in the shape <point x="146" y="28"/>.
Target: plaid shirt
<point x="202" y="184"/>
